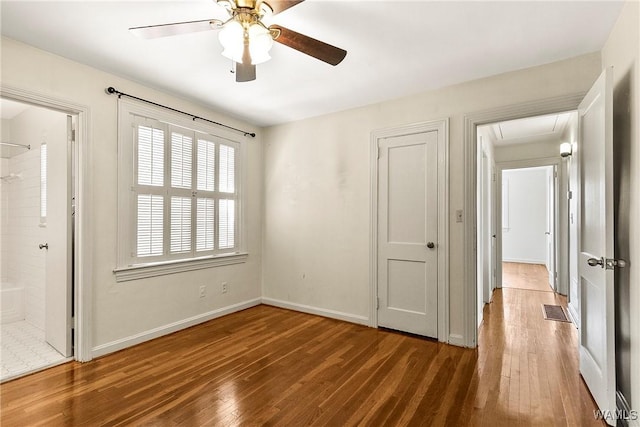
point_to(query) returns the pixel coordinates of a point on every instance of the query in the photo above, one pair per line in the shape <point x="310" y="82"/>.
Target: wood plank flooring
<point x="534" y="277"/>
<point x="269" y="366"/>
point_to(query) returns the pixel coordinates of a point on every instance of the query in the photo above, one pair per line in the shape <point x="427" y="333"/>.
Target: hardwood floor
<point x="268" y="366"/>
<point x="533" y="277"/>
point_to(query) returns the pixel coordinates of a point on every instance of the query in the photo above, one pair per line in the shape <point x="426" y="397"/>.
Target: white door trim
<point x="83" y="229"/>
<point x="442" y="127"/>
<point x="471" y="122"/>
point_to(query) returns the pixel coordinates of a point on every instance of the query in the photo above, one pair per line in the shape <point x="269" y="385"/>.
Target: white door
<point x="486" y="230"/>
<point x="597" y="334"/>
<point x="58" y="263"/>
<point x="551" y="225"/>
<point x="407" y="233"/>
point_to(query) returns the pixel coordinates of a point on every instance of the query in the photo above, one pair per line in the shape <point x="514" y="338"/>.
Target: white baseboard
<point x="123" y="343"/>
<point x="347" y="317"/>
<point x="457" y="340"/>
<point x="573" y="314"/>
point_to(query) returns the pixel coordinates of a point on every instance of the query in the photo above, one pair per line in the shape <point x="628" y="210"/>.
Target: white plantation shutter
<point x="150" y="156"/>
<point x="226" y="224"/>
<point x="150" y="228"/>
<point x="206" y="165"/>
<point x="227" y="169"/>
<point x="181" y="159"/>
<point x="182" y="193"/>
<point x="180" y="224"/>
<point x="205" y="225"/>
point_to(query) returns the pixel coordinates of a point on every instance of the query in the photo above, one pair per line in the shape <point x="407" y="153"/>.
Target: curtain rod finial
<point x="110" y="90"/>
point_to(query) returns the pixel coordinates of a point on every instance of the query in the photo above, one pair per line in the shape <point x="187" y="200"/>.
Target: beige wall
<point x="532" y="150"/>
<point x="621" y="52"/>
<point x="316" y="223"/>
<point x="133" y="309"/>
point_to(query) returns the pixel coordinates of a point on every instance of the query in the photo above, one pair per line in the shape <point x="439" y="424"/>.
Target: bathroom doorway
<point x="36" y="238"/>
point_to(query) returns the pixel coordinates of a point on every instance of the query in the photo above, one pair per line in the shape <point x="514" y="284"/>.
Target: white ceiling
<point x="531" y="129"/>
<point x="395" y="48"/>
<point x="9" y="109"/>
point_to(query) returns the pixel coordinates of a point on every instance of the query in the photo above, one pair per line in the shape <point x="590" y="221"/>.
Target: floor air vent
<point x="554" y="312"/>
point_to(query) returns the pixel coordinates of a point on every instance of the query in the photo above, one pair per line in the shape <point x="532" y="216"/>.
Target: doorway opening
<point x="528" y="219"/>
<point x="36" y="238"/>
<point x="522" y="209"/>
<point x="589" y="163"/>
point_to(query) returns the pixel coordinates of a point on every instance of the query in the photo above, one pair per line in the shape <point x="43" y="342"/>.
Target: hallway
<point x="534" y="277"/>
<point x="528" y="366"/>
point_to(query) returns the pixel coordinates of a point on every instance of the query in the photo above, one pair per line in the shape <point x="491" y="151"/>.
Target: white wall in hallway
<point x="523" y="235"/>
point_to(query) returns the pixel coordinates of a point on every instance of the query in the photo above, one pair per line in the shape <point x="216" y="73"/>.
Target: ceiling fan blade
<point x="281" y="5"/>
<point x="305" y="44"/>
<point x="165" y="30"/>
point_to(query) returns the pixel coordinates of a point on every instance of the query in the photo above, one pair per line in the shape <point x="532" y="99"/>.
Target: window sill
<point x="136" y="272"/>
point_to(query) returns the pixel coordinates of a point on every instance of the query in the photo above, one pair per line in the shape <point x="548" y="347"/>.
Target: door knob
<point x="44" y="246"/>
<point x="595" y="261"/>
<point x="431" y="245"/>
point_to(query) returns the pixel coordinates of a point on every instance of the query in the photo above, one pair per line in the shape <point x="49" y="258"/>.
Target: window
<point x="179" y="194"/>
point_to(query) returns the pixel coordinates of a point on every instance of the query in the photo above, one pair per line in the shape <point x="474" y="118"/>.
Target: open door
<point x="595" y="263"/>
<point x="552" y="265"/>
<point x="58" y="325"/>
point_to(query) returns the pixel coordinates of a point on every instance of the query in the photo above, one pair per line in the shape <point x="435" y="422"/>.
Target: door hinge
<point x="377" y="152"/>
<point x="570" y="195"/>
<point x="494" y="177"/>
<point x="378" y="303"/>
<point x="73" y="135"/>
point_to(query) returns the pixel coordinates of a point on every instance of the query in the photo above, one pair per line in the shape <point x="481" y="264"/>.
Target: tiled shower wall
<point x="23" y="263"/>
<point x="4" y="221"/>
<point x="4" y="200"/>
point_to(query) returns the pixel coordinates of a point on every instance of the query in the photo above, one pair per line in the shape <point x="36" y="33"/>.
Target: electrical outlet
<point x="225" y="287"/>
<point x="203" y="291"/>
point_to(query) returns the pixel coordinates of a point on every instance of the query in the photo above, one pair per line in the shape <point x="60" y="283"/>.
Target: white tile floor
<point x="24" y="350"/>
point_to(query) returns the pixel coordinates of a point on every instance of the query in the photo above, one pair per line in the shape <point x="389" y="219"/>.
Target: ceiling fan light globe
<point x="232" y="40"/>
<point x="260" y="42"/>
<point x="234" y="56"/>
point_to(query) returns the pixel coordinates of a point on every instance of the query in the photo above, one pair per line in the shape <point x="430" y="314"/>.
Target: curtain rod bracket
<point x="111" y="90"/>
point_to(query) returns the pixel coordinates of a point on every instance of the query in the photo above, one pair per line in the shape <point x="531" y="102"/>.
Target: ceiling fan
<point x="245" y="39"/>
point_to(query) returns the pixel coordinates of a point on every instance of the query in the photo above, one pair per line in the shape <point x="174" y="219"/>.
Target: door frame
<point x="442" y="127"/>
<point x="559" y="229"/>
<point x="469" y="336"/>
<point x="82" y="271"/>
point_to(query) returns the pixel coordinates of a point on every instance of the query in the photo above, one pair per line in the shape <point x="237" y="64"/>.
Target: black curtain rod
<point x="111" y="90"/>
